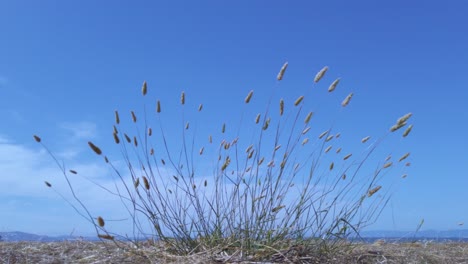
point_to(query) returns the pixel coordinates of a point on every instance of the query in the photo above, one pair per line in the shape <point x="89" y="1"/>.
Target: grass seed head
<point x="248" y="97"/>
<point x="328" y="149"/>
<point x="136" y="183"/>
<point x="182" y="98"/>
<point x="223" y="129"/>
<point x="404" y="118"/>
<point x="373" y="191"/>
<point x="364" y="140"/>
<point x="404" y="176"/>
<point x="305" y="141"/>
<point x="320" y="74"/>
<point x="298" y="100"/>
<point x="37" y="139"/>
<point x="388" y="164"/>
<point x="107" y="237"/>
<point x="201" y="151"/>
<point x="200" y="107"/>
<point x="48" y="184"/>
<point x="94" y="148"/>
<point x="163" y="162"/>
<point x="129" y="140"/>
<point x="279" y="77"/>
<point x="267" y="124"/>
<point x="338" y="150"/>
<point x="333" y="85"/>
<point x="158" y="107"/>
<point x="397" y="126"/>
<point x="257" y="119"/>
<point x="347" y="156"/>
<point x="346" y="100"/>
<point x="134" y="119"/>
<point x="150" y="131"/>
<point x="135" y="141"/>
<point x="152" y="151"/>
<point x="404" y="157"/>
<point x="73" y="172"/>
<point x="281" y="106"/>
<point x="407" y="131"/>
<point x="117" y="118"/>
<point x="144" y="88"/>
<point x="116" y="138"/>
<point x="305" y="130"/>
<point x="146" y="183"/>
<point x="308" y="117"/>
<point x="332" y="165"/>
<point x="260" y="161"/>
<point x="323" y="134"/>
<point x="100" y="221"/>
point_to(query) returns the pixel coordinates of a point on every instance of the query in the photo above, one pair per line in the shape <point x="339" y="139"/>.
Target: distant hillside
<point x="21" y="236"/>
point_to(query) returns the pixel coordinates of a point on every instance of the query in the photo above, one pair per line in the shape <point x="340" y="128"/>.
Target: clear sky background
<point x="66" y="65"/>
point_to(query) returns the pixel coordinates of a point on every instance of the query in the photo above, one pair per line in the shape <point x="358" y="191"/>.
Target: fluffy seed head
<point x="117" y="118"/>
<point x="277" y="147"/>
<point x="248" y="97"/>
<point x="373" y="191"/>
<point x="407" y="131"/>
<point x="328" y="149"/>
<point x="281" y="73"/>
<point x="251" y="154"/>
<point x="329" y="138"/>
<point x="158" y="107"/>
<point x="305" y="141"/>
<point x="182" y="98"/>
<point x="346" y="100"/>
<point x="94" y="148"/>
<point x="100" y="221"/>
<point x="299" y="100"/>
<point x="37" y="139"/>
<point x="134" y="117"/>
<point x="333" y="85"/>
<point x="338" y="150"/>
<point x="305" y="130"/>
<point x="308" y="117"/>
<point x="347" y="156"/>
<point x="320" y="74"/>
<point x="332" y="165"/>
<point x="144" y="88"/>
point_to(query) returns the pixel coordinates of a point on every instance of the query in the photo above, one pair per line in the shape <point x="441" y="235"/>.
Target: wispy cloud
<point x="80" y="130"/>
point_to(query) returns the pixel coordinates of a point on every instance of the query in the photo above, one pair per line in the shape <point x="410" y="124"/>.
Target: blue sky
<point x="66" y="66"/>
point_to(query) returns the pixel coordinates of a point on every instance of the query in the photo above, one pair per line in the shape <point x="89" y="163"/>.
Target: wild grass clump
<point x="273" y="182"/>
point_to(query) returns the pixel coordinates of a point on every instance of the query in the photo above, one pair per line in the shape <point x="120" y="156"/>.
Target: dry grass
<point x="99" y="252"/>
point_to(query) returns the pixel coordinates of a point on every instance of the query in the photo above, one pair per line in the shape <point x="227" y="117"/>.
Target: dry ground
<point x="99" y="252"/>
